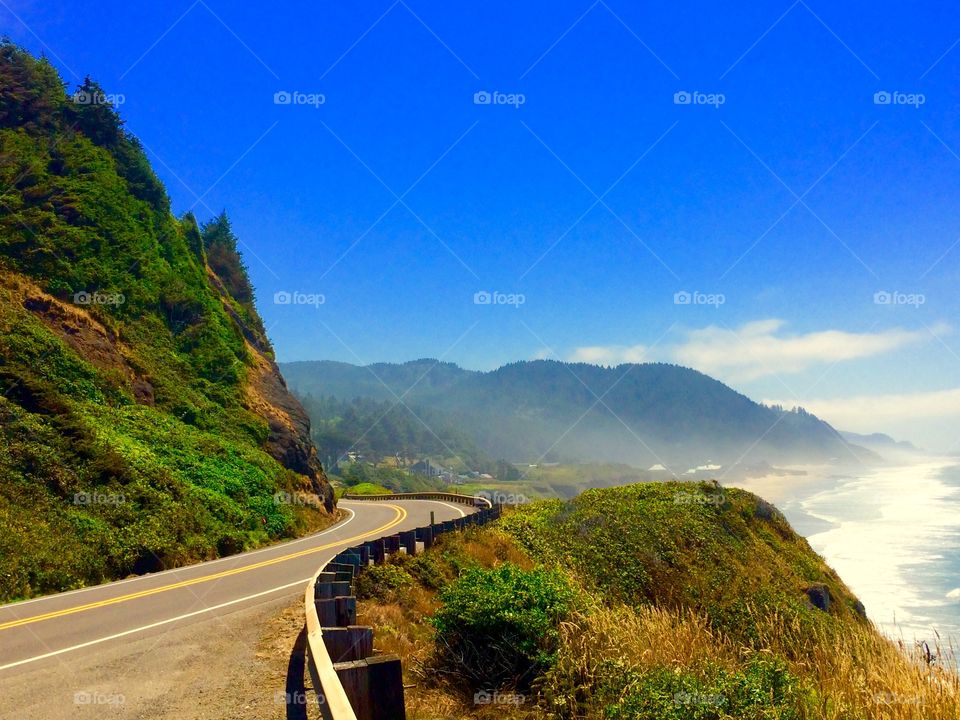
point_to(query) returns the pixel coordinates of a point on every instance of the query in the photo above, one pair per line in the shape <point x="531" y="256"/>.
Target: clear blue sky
<point x="796" y="199"/>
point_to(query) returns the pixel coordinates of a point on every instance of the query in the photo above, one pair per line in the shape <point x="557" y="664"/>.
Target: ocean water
<point x="893" y="535"/>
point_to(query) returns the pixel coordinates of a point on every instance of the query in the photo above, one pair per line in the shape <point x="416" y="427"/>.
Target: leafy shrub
<point x="382" y="582"/>
<point x="499" y="627"/>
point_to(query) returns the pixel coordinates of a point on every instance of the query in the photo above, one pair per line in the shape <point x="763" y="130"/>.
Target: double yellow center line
<point x="400" y="517"/>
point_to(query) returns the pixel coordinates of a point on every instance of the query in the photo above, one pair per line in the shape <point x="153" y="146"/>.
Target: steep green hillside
<point x="144" y="423"/>
<point x="660" y="601"/>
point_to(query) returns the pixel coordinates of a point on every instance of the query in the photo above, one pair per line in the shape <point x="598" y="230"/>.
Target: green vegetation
<point x="367" y="488"/>
<point x="548" y="411"/>
<point x="558" y="480"/>
<point x="380" y="429"/>
<point x="129" y="346"/>
<point x="721" y="551"/>
<point x="352" y="475"/>
<point x="660" y="601"/>
<point x="762" y="690"/>
<point x="500" y="626"/>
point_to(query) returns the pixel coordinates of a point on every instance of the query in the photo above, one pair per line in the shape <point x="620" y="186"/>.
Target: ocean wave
<point x="954" y="594"/>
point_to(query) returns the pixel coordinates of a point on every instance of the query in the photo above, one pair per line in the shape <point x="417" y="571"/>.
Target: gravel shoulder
<point x="230" y="667"/>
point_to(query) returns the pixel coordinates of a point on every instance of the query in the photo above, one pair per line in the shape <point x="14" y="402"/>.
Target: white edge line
<point x="172" y="571"/>
<point x="435" y="502"/>
<point x="452" y="507"/>
<point x="153" y="625"/>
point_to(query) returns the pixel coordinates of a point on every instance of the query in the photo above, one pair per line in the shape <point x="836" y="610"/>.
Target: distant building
<point x="427" y="469"/>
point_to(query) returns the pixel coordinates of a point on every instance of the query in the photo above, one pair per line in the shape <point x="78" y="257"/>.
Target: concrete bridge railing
<point x="351" y="682"/>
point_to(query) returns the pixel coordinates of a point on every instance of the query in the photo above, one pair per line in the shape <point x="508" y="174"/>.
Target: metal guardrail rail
<point x="351" y="682"/>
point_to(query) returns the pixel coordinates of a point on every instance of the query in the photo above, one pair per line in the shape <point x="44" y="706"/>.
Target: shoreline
<point x="788" y="492"/>
<point x="888" y="531"/>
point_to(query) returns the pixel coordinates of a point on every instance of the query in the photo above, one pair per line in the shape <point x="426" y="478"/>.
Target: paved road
<point x="61" y="628"/>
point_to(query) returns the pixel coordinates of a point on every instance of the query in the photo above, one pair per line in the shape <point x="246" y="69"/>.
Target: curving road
<point x="72" y="629"/>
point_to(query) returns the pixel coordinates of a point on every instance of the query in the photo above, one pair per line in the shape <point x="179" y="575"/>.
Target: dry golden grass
<point x="401" y="629"/>
<point x="856" y="674"/>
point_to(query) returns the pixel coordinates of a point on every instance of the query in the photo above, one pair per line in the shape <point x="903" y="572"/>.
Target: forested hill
<point x="640" y="414"/>
<point x="144" y="422"/>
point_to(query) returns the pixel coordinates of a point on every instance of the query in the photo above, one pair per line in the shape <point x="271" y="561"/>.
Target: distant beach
<point x="892" y="533"/>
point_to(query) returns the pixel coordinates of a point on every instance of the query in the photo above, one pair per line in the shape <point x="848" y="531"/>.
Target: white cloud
<point x="930" y="418"/>
<point x="760" y="348"/>
<point x="610" y="354"/>
<point x="864" y="413"/>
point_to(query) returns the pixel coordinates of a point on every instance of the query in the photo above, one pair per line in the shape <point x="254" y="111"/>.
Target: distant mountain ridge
<point x="635" y="413"/>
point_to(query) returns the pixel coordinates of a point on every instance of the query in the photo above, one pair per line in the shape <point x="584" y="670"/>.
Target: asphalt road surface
<point x="59" y="634"/>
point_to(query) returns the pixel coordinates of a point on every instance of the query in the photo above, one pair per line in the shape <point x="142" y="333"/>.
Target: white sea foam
<point x="895" y="533"/>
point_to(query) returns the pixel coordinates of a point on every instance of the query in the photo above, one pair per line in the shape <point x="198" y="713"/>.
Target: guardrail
<point x="351" y="682"/>
<point x="472" y="500"/>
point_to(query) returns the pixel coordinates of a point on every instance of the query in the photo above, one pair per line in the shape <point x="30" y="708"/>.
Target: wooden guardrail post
<point x="350" y="682"/>
<point x="425" y="535"/>
<point x="356" y="685"/>
<point x="346" y="611"/>
<point x="379" y="551"/>
<point x="374" y="687"/>
<point x="344" y="644"/>
<point x="385" y="676"/>
<point x="408" y="540"/>
<point x="343" y="571"/>
<point x="328" y="590"/>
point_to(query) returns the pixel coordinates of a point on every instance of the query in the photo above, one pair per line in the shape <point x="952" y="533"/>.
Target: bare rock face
<point x="819" y="596"/>
<point x="268" y="396"/>
<point x="289" y="440"/>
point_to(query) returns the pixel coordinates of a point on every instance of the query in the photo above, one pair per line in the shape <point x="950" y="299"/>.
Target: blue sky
<point x="783" y="197"/>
